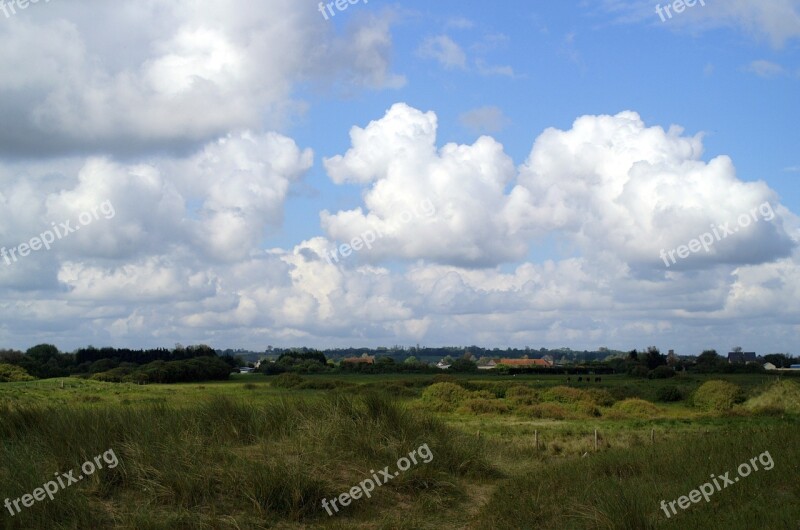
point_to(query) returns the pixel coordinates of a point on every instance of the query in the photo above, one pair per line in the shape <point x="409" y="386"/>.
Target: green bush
<point x="551" y="411"/>
<point x="444" y="397"/>
<point x="669" y="394"/>
<point x="287" y="380"/>
<point x="484" y="406"/>
<point x="717" y="396"/>
<point x="565" y="394"/>
<point x="522" y="395"/>
<point x="661" y="372"/>
<point x="635" y="407"/>
<point x="587" y="409"/>
<point x="779" y="397"/>
<point x="445" y="378"/>
<point x="600" y="397"/>
<point x="10" y="373"/>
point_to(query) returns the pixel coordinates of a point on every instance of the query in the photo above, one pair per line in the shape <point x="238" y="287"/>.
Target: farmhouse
<point x="741" y="357"/>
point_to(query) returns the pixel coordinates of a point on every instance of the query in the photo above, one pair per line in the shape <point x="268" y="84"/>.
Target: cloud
<point x="71" y="86"/>
<point x="489" y="119"/>
<point x="777" y="21"/>
<point x="184" y="257"/>
<point x="608" y="185"/>
<point x="444" y="50"/>
<point x="765" y="69"/>
<point x="612" y="184"/>
<point x="465" y="184"/>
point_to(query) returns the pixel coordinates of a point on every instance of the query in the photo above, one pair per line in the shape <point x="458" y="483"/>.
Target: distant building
<point x="442" y="365"/>
<point x="526" y="362"/>
<point x="246" y="370"/>
<point x="491" y="365"/>
<point x="769" y="366"/>
<point x="795" y="367"/>
<point x="741" y="357"/>
<point x="359" y="360"/>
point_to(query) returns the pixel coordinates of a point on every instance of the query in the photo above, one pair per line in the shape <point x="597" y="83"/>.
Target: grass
<point x="250" y="453"/>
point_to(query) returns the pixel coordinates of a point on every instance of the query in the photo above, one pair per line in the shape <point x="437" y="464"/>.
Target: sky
<point x="287" y="173"/>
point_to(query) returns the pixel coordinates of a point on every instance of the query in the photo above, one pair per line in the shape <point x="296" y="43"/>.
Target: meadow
<point x="508" y="452"/>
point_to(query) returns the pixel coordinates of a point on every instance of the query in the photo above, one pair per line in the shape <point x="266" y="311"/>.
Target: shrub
<point x="779" y="397"/>
<point x="12" y="374"/>
<point x="565" y="394"/>
<point x="552" y="411"/>
<point x="587" y="409"/>
<point x="522" y="395"/>
<point x="600" y="397"/>
<point x="717" y="396"/>
<point x="287" y="380"/>
<point x="669" y="394"/>
<point x="484" y="406"/>
<point x="635" y="407"/>
<point x="639" y="371"/>
<point x="445" y="378"/>
<point x="661" y="372"/>
<point x="444" y="396"/>
<point x="498" y="390"/>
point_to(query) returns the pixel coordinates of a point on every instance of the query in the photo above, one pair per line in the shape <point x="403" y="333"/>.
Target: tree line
<point x="161" y="365"/>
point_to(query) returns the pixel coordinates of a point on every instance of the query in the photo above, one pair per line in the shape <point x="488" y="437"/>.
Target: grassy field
<point x="507" y="452"/>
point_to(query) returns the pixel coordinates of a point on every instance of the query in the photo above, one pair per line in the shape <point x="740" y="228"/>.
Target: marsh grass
<point x="224" y="460"/>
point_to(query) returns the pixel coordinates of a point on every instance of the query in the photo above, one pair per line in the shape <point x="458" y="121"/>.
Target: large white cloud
<point x="161" y="75"/>
<point x="609" y="184"/>
<point x="443" y="204"/>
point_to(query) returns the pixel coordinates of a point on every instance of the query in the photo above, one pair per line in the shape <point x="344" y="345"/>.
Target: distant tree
<point x="709" y="361"/>
<point x="411" y="360"/>
<point x="654" y="359"/>
<point x="780" y="360"/>
<point x="42" y="352"/>
<point x="633" y="355"/>
<point x="661" y="372"/>
<point x="464" y="365"/>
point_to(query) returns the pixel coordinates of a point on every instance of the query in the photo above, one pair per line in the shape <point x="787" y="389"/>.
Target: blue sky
<point x="562" y="146"/>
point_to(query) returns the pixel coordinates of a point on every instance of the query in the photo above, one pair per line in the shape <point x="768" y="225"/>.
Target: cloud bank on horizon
<point x="239" y="147"/>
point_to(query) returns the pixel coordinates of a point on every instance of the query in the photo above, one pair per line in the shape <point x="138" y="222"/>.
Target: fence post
<point x="595" y="440"/>
<point x="536" y="438"/>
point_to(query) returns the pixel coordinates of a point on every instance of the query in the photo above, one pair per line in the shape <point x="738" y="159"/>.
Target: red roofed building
<point x="526" y="362"/>
<point x="359" y="360"/>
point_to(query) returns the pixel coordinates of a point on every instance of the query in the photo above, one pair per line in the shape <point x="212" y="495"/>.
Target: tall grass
<point x="224" y="463"/>
<point x="623" y="488"/>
